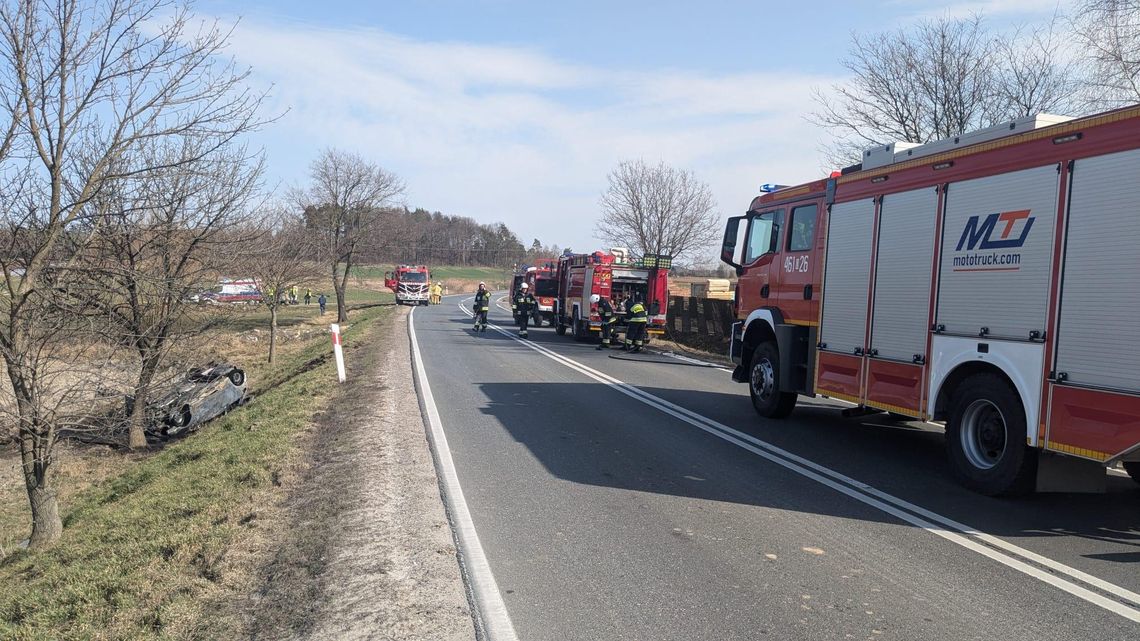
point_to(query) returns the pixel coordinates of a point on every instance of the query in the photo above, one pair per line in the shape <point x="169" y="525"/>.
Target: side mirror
<point x="728" y="247"/>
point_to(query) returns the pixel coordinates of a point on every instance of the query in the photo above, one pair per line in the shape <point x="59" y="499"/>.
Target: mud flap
<point x="793" y="342"/>
<point x="1057" y="473"/>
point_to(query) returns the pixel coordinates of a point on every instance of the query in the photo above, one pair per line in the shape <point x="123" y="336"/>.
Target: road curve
<point x="617" y="499"/>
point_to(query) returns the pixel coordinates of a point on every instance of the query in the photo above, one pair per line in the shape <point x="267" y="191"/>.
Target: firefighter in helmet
<point x="482" y="306"/>
<point x="606" y="312"/>
<point x="523" y="306"/>
<point x="635" y="328"/>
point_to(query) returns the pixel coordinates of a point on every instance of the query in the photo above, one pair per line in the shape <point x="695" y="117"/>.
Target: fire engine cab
<point x="543" y="283"/>
<point x="615" y="276"/>
<point x="989" y="281"/>
<point x="410" y="283"/>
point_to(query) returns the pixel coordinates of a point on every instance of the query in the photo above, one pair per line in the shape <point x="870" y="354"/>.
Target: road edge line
<point x="493" y="622"/>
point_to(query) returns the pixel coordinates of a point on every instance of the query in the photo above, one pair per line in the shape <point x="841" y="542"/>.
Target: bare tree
<point x="285" y="257"/>
<point x="85" y="83"/>
<point x="1034" y="72"/>
<point x="657" y="210"/>
<point x="342" y="204"/>
<point x="159" y="235"/>
<point x="942" y="78"/>
<point x="1109" y="33"/>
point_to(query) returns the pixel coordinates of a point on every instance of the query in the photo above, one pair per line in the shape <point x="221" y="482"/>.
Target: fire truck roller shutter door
<point x="902" y="275"/>
<point x="848" y="269"/>
<point x="1100" y="296"/>
<point x="997" y="247"/>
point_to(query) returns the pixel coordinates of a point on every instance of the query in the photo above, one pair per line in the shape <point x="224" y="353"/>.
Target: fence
<point x="704" y="319"/>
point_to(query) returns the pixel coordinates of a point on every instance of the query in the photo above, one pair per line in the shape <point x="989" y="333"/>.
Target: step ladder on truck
<point x="988" y="281"/>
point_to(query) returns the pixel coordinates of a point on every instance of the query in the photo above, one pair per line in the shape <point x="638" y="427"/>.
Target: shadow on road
<point x="586" y="433"/>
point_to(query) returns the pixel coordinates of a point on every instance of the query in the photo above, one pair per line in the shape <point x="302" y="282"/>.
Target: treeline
<point x="433" y="238"/>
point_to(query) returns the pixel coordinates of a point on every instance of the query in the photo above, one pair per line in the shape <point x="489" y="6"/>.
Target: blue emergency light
<point x="771" y="187"/>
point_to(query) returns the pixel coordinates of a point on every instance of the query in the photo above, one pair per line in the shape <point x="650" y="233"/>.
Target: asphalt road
<point x="634" y="500"/>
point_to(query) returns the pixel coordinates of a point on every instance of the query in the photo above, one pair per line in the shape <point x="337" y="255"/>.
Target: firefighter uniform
<point x="436" y="293"/>
<point x="635" y="330"/>
<point x="606" y="311"/>
<point x="523" y="306"/>
<point x="482" y="306"/>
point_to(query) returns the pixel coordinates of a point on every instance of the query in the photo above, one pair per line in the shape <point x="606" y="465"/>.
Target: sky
<point x="515" y="112"/>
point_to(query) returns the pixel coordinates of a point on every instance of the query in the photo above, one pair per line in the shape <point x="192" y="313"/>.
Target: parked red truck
<point x="988" y="281"/>
<point x="613" y="275"/>
<point x="543" y="281"/>
<point x="411" y="284"/>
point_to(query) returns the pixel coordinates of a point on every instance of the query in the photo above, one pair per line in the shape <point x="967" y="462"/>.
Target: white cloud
<point x="513" y="135"/>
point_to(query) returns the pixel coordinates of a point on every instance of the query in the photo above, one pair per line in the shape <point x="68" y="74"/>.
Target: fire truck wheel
<point x="764" y="383"/>
<point x="1133" y="469"/>
<point x="985" y="438"/>
<point x="559" y="329"/>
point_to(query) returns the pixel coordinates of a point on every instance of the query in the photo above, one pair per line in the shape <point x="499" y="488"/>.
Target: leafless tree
<point x="342" y="204"/>
<point x="86" y="82"/>
<point x="160" y="234"/>
<point x="1035" y="73"/>
<point x="657" y="210"/>
<point x="285" y="258"/>
<point x="1109" y="33"/>
<point x="941" y="78"/>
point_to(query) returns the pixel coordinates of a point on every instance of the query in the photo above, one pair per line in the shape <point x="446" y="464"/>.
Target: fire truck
<point x="543" y="283"/>
<point x="613" y="275"/>
<point x="989" y="281"/>
<point x="410" y="283"/>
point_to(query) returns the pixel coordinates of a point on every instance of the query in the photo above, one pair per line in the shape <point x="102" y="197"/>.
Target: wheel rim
<point x="763" y="379"/>
<point x="983" y="434"/>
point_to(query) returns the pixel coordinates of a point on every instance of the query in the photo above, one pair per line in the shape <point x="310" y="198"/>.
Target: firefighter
<point x="635" y="328"/>
<point x="436" y="293"/>
<point x="606" y="311"/>
<point x="522" y="306"/>
<point x="482" y="306"/>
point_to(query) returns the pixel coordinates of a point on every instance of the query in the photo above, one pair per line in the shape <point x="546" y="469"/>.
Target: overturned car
<point x="202" y="394"/>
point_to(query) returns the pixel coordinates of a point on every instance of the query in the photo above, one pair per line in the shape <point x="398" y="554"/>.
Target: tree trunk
<point x="35" y="455"/>
<point x="272" y="331"/>
<point x="47" y="527"/>
<point x="338" y="290"/>
<point x="148" y="366"/>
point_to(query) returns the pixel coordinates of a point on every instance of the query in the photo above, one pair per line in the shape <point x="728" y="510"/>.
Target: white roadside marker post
<point x="338" y="352"/>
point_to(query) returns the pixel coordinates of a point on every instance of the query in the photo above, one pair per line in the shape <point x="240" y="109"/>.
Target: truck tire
<point x="579" y="328"/>
<point x="985" y="438"/>
<point x="559" y="328"/>
<point x="764" y="383"/>
<point x="1133" y="469"/>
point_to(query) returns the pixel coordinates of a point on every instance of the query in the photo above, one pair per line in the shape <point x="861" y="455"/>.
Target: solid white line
<point x="493" y="616"/>
<point x="873" y="497"/>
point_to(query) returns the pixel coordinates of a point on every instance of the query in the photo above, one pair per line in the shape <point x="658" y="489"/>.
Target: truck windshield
<point x="545" y="287"/>
<point x="414" y="277"/>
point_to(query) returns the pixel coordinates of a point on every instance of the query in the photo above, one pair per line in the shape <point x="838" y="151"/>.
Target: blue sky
<point x="515" y="111"/>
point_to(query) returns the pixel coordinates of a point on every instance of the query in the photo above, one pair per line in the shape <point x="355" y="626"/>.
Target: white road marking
<point x="493" y="616"/>
<point x="964" y="535"/>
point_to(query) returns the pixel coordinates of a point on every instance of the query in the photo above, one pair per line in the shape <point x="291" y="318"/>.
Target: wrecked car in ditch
<point x="202" y="394"/>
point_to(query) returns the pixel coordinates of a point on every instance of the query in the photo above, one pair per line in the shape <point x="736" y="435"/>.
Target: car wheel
<point x="764" y="383"/>
<point x="1133" y="469"/>
<point x="237" y="377"/>
<point x="182" y="418"/>
<point x="985" y="438"/>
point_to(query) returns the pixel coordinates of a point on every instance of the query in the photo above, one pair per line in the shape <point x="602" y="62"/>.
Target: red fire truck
<point x="411" y="283"/>
<point x="989" y="281"/>
<point x="543" y="283"/>
<point x="613" y="275"/>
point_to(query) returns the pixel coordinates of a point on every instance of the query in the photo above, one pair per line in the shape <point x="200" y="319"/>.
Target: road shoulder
<point x="367" y="552"/>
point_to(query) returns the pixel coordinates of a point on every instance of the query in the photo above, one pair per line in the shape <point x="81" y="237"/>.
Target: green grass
<point x="144" y="551"/>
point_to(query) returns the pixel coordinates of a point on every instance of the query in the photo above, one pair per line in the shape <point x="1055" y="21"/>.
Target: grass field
<point x="144" y="553"/>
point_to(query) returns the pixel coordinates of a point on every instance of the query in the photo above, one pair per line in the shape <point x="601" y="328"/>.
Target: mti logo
<point x="978" y="234"/>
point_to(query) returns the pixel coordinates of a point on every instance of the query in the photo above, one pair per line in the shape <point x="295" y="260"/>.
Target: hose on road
<point x="618" y="357"/>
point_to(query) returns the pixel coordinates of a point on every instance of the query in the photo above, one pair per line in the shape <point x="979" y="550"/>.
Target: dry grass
<point x="148" y="538"/>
